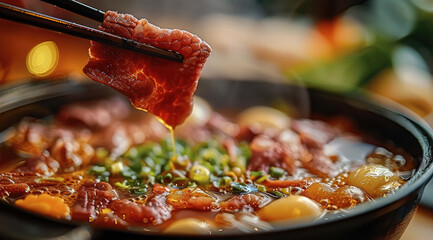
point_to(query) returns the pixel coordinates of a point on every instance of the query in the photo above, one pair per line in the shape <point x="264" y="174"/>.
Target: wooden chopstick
<point x="40" y="20"/>
<point x="78" y="8"/>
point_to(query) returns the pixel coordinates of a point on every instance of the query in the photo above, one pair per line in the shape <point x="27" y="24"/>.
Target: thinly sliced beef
<point x="155" y="211"/>
<point x="16" y="184"/>
<point x="265" y="153"/>
<point x="71" y="154"/>
<point x="41" y="164"/>
<point x="244" y="202"/>
<point x="162" y="87"/>
<point x="94" y="114"/>
<point x="92" y="196"/>
<point x="48" y="144"/>
<point x="31" y="137"/>
<point x="13" y="189"/>
<point x="282" y="152"/>
<point x="56" y="149"/>
<point x="320" y="164"/>
<point x="314" y="135"/>
<point x="120" y="135"/>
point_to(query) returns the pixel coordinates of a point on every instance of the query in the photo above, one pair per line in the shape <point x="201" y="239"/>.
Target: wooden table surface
<point x="421" y="226"/>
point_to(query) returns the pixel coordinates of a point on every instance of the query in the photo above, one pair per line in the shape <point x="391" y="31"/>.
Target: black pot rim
<point x="417" y="127"/>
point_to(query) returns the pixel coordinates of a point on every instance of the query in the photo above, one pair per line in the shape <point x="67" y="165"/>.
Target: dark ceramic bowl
<point x="385" y="218"/>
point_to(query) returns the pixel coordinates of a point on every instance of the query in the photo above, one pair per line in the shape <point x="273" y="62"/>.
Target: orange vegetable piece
<point x="44" y="204"/>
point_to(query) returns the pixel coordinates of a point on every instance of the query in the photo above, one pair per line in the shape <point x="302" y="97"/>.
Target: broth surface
<point x="105" y="163"/>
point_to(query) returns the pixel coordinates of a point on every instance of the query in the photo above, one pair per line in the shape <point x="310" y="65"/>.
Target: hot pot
<point x="384" y="218"/>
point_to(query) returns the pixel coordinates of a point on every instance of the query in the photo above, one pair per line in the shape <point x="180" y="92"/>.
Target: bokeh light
<point x="42" y="59"/>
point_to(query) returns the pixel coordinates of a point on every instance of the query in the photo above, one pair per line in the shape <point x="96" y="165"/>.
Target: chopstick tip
<point x="178" y="57"/>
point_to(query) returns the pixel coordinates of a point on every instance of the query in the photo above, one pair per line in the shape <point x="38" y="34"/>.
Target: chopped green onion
<point x="139" y="191"/>
<point x="200" y="174"/>
<point x="136" y="166"/>
<point x="243" y="156"/>
<point x="278" y="194"/>
<point x="100" y="172"/>
<point x="97" y="169"/>
<point x="257" y="173"/>
<point x="242" y="188"/>
<point x="159" y="179"/>
<point x="53" y="179"/>
<point x="101" y="153"/>
<point x="262" y="179"/>
<point x="276" y="172"/>
<point x="261" y="188"/>
<point x="116" y="167"/>
<point x="121" y="185"/>
<point x="210" y="153"/>
<point x="287" y="190"/>
<point x="104" y="176"/>
<point x="131" y="153"/>
<point x="168" y="177"/>
<point x="134" y="186"/>
<point x="224" y="181"/>
<point x="128" y="173"/>
<point x="145" y="171"/>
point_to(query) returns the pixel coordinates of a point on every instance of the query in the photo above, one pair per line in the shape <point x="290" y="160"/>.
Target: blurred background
<point x="383" y="47"/>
